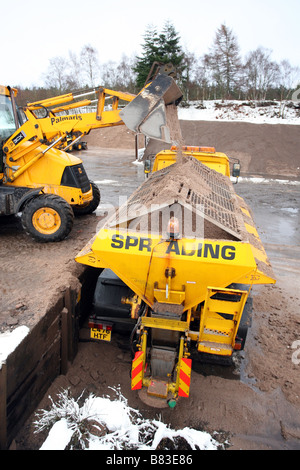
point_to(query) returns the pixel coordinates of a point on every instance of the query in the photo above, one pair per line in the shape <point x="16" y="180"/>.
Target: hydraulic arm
<point x="32" y="140"/>
<point x="55" y="116"/>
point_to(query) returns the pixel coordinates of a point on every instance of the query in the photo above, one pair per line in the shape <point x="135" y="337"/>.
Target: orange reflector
<point x="137" y="371"/>
<point x="185" y="377"/>
<point x="173" y="227"/>
<point x="99" y="325"/>
<point x="191" y="148"/>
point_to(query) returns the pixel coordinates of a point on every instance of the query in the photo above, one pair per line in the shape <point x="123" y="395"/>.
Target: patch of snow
<point x="290" y="209"/>
<point x="106" y="182"/>
<point x="244" y="179"/>
<point x="141" y="152"/>
<point x="215" y="110"/>
<point x="10" y="340"/>
<point x="122" y="427"/>
<point x="59" y="436"/>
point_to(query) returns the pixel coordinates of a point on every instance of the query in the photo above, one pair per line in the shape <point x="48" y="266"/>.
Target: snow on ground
<point x="106" y="182"/>
<point x="103" y="423"/>
<point x="10" y="340"/>
<point x="261" y="180"/>
<point x="244" y="111"/>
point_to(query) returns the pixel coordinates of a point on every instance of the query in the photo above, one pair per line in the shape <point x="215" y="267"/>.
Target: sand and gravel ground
<point x="256" y="401"/>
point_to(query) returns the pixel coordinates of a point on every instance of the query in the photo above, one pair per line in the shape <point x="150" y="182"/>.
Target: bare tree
<point x="188" y="75"/>
<point x="56" y="76"/>
<point x="288" y="78"/>
<point x="261" y="72"/>
<point x="75" y="73"/>
<point x="126" y="74"/>
<point x="109" y="75"/>
<point x="90" y="63"/>
<point x="120" y="75"/>
<point x="204" y="78"/>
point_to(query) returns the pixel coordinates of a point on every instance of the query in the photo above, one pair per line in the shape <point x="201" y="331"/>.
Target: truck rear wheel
<point x="47" y="218"/>
<point x="90" y="206"/>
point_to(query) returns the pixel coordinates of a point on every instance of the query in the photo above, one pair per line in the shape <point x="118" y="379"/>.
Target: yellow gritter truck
<point x="179" y="260"/>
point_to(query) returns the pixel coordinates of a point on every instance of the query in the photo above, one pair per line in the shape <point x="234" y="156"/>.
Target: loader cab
<point x="7" y="120"/>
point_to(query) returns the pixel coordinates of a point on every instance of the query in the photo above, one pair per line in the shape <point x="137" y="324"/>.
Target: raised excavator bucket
<point x="150" y="113"/>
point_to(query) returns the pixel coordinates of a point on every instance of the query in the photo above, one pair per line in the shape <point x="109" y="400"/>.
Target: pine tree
<point x="149" y="55"/>
<point x="169" y="46"/>
<point x="163" y="48"/>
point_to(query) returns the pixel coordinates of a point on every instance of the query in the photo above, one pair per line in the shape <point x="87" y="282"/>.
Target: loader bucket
<point x="147" y="113"/>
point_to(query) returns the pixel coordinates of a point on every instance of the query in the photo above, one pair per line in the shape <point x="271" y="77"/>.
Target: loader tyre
<point x="47" y="218"/>
<point x="90" y="206"/>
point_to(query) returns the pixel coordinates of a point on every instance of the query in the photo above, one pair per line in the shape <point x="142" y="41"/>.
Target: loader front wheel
<point x="90" y="206"/>
<point x="47" y="218"/>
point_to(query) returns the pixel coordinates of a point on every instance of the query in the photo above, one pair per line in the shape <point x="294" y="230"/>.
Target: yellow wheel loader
<point x="38" y="178"/>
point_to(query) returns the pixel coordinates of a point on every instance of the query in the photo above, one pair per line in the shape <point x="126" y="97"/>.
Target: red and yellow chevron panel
<point x="137" y="371"/>
<point x="185" y="377"/>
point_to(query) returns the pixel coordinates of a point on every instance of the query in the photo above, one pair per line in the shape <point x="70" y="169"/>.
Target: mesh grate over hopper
<point x="193" y="185"/>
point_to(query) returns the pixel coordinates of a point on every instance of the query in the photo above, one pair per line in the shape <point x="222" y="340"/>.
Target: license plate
<point x="101" y="334"/>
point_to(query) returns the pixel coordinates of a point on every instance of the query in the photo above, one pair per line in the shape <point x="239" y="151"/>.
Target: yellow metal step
<point x="220" y="336"/>
<point x="220" y="318"/>
<point x="215" y="348"/>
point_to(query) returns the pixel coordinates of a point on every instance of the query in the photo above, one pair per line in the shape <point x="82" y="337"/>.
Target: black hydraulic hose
<point x="140" y="314"/>
<point x="131" y="339"/>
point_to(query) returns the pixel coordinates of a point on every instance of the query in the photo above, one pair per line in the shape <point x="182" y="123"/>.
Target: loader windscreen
<point x="7" y="122"/>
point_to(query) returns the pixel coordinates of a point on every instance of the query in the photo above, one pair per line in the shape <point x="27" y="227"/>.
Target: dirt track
<point x="256" y="401"/>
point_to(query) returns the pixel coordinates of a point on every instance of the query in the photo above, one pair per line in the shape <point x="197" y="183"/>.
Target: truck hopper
<point x="188" y="249"/>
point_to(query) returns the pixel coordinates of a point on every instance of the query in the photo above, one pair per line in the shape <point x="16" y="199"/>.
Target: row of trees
<point x="221" y="73"/>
